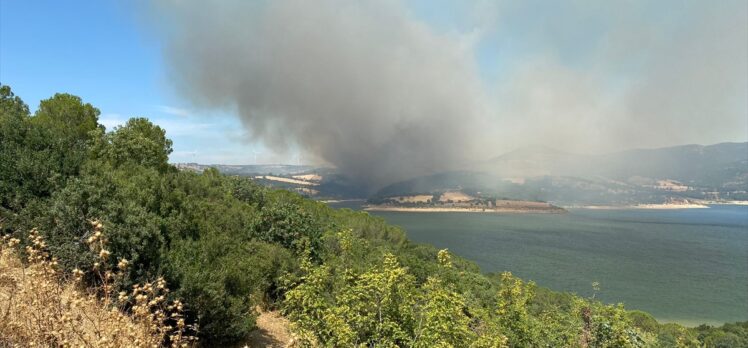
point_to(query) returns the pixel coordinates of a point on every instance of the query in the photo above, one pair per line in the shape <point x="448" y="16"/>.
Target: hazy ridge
<point x="684" y="173"/>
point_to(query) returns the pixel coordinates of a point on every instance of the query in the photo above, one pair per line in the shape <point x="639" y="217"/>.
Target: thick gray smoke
<point x="613" y="75"/>
<point x="365" y="86"/>
<point x="360" y="85"/>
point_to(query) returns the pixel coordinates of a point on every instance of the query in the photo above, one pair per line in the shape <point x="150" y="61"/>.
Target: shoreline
<point x="664" y="206"/>
<point x="463" y="210"/>
<point x="341" y="200"/>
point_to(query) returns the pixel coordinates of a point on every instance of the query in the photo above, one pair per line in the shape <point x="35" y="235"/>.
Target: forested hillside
<point x="225" y="245"/>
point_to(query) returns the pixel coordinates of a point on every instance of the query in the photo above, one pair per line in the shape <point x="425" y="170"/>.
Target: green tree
<point x="291" y="226"/>
<point x="64" y="128"/>
<point x="14" y="119"/>
<point x="138" y="142"/>
<point x="68" y="118"/>
<point x="378" y="305"/>
<point x="374" y="308"/>
<point x="513" y="314"/>
<point x="611" y="327"/>
<point x="444" y="322"/>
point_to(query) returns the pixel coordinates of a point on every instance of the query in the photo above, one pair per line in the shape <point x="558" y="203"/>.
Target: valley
<point x="663" y="178"/>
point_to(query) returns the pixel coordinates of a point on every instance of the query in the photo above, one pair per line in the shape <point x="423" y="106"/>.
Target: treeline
<point x="225" y="245"/>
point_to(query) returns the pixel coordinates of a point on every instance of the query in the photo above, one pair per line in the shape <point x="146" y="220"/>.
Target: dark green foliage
<point x="68" y="119"/>
<point x="39" y="153"/>
<point x="643" y="320"/>
<point x="14" y="125"/>
<point x="221" y="280"/>
<point x="247" y="191"/>
<point x="60" y="170"/>
<point x="11" y="105"/>
<point x="63" y="129"/>
<point x="289" y="225"/>
<point x="727" y="335"/>
<point x="138" y="142"/>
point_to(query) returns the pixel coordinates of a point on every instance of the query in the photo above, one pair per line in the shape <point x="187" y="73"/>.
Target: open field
<point x="286" y="180"/>
<point x="455" y="196"/>
<point x="308" y="177"/>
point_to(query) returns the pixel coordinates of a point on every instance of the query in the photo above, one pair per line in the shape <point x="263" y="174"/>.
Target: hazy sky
<point x="389" y="84"/>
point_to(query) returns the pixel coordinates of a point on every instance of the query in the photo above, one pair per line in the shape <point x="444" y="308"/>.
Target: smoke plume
<point x="382" y="95"/>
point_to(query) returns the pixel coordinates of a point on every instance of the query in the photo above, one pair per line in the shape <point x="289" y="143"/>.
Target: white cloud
<point x="187" y="128"/>
<point x="172" y="110"/>
<point x="112" y="120"/>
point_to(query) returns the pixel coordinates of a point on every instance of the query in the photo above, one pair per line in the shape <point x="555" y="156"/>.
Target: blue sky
<point x="97" y="50"/>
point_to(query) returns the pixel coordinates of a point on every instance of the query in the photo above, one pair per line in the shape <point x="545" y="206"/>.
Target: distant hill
<point x="689" y="172"/>
<point x="328" y="184"/>
<point x="720" y="166"/>
<point x="711" y="165"/>
<point x="249" y="169"/>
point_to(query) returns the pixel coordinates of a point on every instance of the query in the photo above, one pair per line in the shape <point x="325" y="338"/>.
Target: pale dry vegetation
<point x="308" y="177"/>
<point x="455" y="196"/>
<point x="41" y="306"/>
<point x="287" y="180"/>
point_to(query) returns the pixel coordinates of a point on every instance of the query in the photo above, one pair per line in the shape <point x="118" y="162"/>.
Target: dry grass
<point x="455" y="196"/>
<point x="308" y="177"/>
<point x="273" y="330"/>
<point x="40" y="307"/>
<point x="287" y="180"/>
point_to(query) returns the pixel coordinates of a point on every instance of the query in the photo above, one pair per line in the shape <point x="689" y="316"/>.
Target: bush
<point x="290" y="226"/>
<point x="222" y="280"/>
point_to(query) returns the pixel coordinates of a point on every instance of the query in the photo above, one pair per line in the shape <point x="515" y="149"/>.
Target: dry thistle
<point x="38" y="308"/>
<point x="122" y="265"/>
<point x="104" y="254"/>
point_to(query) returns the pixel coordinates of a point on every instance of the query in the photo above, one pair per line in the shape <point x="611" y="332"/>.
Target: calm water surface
<point x="689" y="266"/>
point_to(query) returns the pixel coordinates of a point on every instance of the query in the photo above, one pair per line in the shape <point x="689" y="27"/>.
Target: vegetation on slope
<point x="226" y="245"/>
<point x="38" y="307"/>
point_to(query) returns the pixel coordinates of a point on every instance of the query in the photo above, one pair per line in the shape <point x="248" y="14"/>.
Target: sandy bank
<point x="644" y="206"/>
<point x="341" y="200"/>
<point x="463" y="210"/>
<point x="670" y="206"/>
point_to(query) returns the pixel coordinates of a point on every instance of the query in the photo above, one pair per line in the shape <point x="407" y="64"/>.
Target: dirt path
<point x="272" y="331"/>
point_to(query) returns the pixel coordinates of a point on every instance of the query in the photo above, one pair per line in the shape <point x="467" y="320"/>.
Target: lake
<point x="688" y="266"/>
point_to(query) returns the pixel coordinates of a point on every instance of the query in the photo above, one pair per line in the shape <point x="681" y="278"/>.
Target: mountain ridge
<point x="716" y="172"/>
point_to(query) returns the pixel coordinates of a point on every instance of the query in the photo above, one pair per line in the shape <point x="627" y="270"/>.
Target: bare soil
<point x="272" y="331"/>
